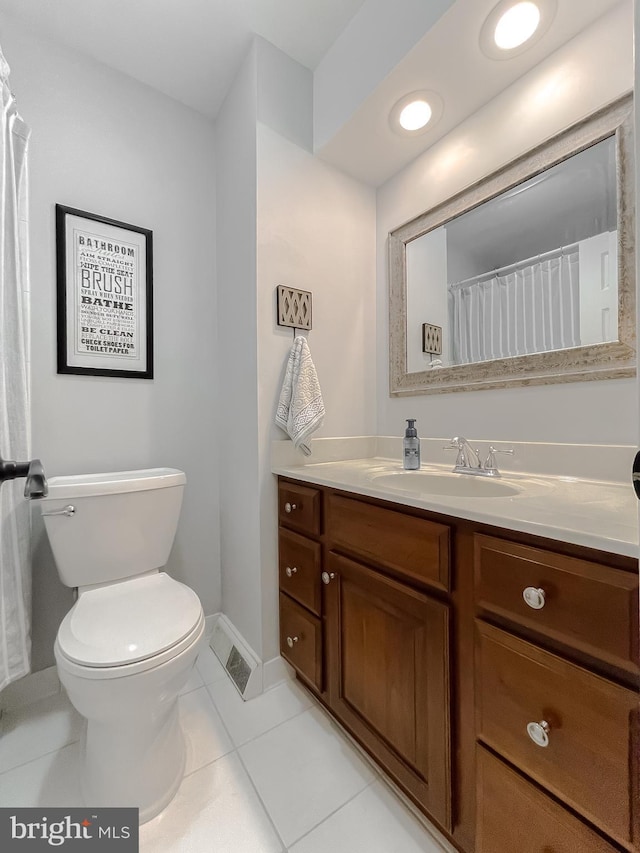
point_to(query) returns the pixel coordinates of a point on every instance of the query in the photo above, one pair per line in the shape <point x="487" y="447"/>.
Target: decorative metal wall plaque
<point x="294" y="307"/>
<point x="432" y="339"/>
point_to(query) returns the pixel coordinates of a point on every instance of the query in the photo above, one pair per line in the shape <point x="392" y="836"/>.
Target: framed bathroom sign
<point x="105" y="296"/>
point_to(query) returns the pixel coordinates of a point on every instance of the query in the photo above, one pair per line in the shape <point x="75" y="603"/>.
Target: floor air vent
<point x="239" y="660"/>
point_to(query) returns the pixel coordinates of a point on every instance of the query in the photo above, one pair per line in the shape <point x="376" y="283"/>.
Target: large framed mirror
<point x="525" y="278"/>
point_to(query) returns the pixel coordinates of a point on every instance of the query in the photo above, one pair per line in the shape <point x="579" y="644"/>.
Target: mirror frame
<point x="597" y="361"/>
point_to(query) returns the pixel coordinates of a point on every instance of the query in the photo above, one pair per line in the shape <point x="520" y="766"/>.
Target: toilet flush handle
<point x="69" y="511"/>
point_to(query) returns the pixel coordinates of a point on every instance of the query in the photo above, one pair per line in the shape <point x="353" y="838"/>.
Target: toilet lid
<point x="129" y="621"/>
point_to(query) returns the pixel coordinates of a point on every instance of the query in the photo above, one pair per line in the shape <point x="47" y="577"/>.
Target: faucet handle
<point x="490" y="464"/>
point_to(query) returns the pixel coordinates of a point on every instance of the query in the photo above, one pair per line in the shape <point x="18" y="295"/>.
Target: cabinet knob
<point x="289" y="507"/>
<point x="291" y="641"/>
<point x="290" y="571"/>
<point x="539" y="732"/>
<point x="327" y="577"/>
<point x="535" y="598"/>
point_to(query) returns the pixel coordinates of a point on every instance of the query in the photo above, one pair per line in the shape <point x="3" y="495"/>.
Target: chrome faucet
<point x="468" y="460"/>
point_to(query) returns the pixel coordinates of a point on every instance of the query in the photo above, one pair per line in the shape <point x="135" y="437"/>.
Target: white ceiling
<point x="188" y="49"/>
<point x="448" y="60"/>
<point x="191" y="50"/>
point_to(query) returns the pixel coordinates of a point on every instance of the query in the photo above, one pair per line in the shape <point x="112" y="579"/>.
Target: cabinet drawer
<point x="299" y="562"/>
<point x="588" y="606"/>
<point x="514" y="815"/>
<point x="410" y="546"/>
<point x="299" y="507"/>
<point x="301" y="640"/>
<point x="589" y="761"/>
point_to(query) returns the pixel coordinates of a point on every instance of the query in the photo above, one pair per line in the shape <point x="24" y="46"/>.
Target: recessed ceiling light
<point x="517" y="25"/>
<point x="513" y="27"/>
<point x="415" y="113"/>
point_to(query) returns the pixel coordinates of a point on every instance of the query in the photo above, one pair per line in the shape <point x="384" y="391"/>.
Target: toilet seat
<point x="129" y="626"/>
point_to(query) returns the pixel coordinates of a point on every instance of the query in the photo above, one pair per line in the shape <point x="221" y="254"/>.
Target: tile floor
<point x="273" y="775"/>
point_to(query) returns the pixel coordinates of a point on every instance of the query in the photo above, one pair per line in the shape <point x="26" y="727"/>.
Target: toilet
<point x="126" y="648"/>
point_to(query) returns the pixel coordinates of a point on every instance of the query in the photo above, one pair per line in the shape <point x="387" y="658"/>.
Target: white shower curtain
<point x="15" y="564"/>
<point x="529" y="307"/>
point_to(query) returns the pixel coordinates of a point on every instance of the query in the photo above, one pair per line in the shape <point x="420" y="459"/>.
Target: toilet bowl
<point x="126" y="648"/>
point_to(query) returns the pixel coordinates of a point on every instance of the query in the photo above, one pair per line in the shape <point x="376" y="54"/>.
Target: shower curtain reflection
<point x="529" y="307"/>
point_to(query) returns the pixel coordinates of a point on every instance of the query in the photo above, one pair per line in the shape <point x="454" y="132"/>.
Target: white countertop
<point x="598" y="514"/>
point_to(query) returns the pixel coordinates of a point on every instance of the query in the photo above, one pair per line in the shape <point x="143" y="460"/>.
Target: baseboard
<point x="275" y="671"/>
<point x="31" y="688"/>
<point x="210" y="623"/>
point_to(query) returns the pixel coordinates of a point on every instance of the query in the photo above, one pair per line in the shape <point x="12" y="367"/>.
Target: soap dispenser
<point x="411" y="447"/>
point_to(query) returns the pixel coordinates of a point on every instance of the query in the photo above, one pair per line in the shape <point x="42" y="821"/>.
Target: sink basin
<point x="455" y="485"/>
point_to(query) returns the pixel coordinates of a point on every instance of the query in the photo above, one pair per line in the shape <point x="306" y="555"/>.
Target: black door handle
<point x="36" y="485"/>
<point x="635" y="477"/>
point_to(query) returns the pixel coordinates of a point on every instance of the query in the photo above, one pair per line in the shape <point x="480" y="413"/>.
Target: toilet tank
<point x="122" y="524"/>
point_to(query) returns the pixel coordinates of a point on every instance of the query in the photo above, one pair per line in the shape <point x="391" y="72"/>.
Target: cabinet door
<point x="389" y="677"/>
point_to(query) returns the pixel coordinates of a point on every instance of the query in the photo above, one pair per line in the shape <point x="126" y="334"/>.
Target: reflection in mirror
<point x="527" y="277"/>
<point x="533" y="269"/>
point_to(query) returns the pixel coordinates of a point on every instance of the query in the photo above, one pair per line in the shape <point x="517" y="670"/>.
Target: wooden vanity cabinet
<point x="413" y="630"/>
<point x="377" y="653"/>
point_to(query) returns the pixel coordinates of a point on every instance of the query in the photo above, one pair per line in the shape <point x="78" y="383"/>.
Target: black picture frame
<point x="104" y="296"/>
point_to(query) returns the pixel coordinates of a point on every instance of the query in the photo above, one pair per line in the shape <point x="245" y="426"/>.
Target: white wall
<point x="568" y="86"/>
<point x="237" y="355"/>
<point x="316" y="231"/>
<point x="104" y="143"/>
<point x="284" y="217"/>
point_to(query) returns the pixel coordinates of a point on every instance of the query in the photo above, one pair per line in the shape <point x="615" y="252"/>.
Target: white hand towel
<point x="300" y="407"/>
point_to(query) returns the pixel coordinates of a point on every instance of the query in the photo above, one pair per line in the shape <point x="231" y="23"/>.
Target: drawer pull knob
<point x="289" y="507"/>
<point x="291" y="641"/>
<point x="327" y="577"/>
<point x="539" y="732"/>
<point x="535" y="598"/>
<point x="290" y="571"/>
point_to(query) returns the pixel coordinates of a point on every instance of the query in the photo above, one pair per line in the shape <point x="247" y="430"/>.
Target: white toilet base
<point x="133" y="753"/>
<point x="142" y="767"/>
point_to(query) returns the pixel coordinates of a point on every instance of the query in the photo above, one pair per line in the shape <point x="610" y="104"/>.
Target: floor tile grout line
<point x="335" y="811"/>
<point x="236" y="749"/>
<point x="226" y="730"/>
<point x="418" y="817"/>
<point x="209" y="763"/>
<point x="255" y="737"/>
<point x="40" y="757"/>
<point x="262" y="803"/>
<point x="315" y="704"/>
<point x="224" y="725"/>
